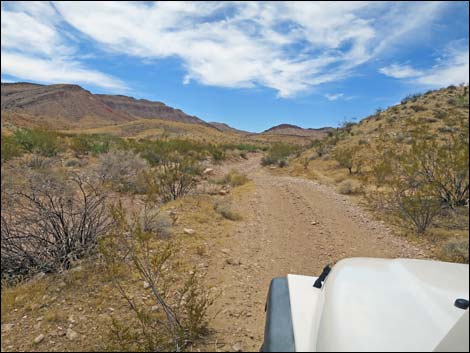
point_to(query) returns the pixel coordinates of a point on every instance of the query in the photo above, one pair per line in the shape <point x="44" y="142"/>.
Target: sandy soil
<point x="290" y="225"/>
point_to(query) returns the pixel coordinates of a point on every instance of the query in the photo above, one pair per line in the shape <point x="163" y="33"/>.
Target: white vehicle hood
<point x="386" y="305"/>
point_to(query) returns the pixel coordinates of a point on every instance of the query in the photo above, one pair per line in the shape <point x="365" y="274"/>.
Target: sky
<point x="251" y="65"/>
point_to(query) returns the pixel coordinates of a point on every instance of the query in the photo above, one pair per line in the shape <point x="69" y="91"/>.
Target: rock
<point x="189" y="231"/>
<point x="146" y="285"/>
<point x="78" y="268"/>
<point x="237" y="347"/>
<point x="7" y="327"/>
<point x="225" y="251"/>
<point x="233" y="262"/>
<point x="208" y="171"/>
<point x="71" y="319"/>
<point x="71" y="334"/>
<point x="155" y="308"/>
<point x="39" y="339"/>
<point x="314" y="223"/>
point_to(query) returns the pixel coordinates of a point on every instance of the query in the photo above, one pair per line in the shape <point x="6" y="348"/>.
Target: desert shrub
<point x="444" y="166"/>
<point x="279" y="152"/>
<point x="440" y="114"/>
<point x="53" y="221"/>
<point x="40" y="141"/>
<point x="241" y="147"/>
<point x="225" y="210"/>
<point x="452" y="101"/>
<point x="235" y="178"/>
<point x="84" y="144"/>
<point x="123" y="171"/>
<point x="349" y="157"/>
<point x="174" y="178"/>
<point x="446" y="129"/>
<point x="72" y="162"/>
<point x="35" y="161"/>
<point x="349" y="187"/>
<point x="321" y="147"/>
<point x="411" y="98"/>
<point x="10" y="148"/>
<point x="418" y="108"/>
<point x="217" y="154"/>
<point x="416" y="206"/>
<point x="152" y="220"/>
<point x="305" y="161"/>
<point x="456" y="250"/>
<point x="177" y="315"/>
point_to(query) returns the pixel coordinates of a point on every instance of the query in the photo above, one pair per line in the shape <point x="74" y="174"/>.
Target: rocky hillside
<point x="227" y="128"/>
<point x="143" y="108"/>
<point x="67" y="105"/>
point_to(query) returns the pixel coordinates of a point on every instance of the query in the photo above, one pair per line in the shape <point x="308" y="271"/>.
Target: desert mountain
<point x="294" y="130"/>
<point x="65" y="105"/>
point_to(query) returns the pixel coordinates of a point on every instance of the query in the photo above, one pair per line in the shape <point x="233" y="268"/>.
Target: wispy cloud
<point x="290" y="47"/>
<point x="34" y="48"/>
<point x="400" y="71"/>
<point x="451" y="68"/>
<point x="333" y="97"/>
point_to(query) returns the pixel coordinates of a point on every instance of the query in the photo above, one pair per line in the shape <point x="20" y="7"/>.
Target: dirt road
<point x="290" y="225"/>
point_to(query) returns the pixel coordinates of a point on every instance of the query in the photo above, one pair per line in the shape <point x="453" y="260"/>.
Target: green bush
<point x="278" y="154"/>
<point x="84" y="144"/>
<point x="10" y="148"/>
<point x="41" y="141"/>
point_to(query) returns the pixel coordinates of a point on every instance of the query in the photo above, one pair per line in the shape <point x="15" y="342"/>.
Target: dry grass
<point x="350" y="187"/>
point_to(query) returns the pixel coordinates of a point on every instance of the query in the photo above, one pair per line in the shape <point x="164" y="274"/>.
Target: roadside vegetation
<point x="410" y="162"/>
<point x="94" y="200"/>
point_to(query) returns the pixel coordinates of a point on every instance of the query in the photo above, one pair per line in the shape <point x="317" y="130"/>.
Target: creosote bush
<point x="175" y="177"/>
<point x="177" y="314"/>
<point x="44" y="142"/>
<point x="278" y="154"/>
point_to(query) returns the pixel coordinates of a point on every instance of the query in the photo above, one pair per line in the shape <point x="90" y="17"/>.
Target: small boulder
<point x="146" y="285"/>
<point x="208" y="171"/>
<point x="189" y="231"/>
<point x="39" y="339"/>
<point x="71" y="334"/>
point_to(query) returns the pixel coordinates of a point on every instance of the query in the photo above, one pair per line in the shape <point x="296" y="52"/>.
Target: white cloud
<point x="33" y="48"/>
<point x="400" y="71"/>
<point x="54" y="71"/>
<point x="290" y="47"/>
<point x="333" y="97"/>
<point x="452" y="68"/>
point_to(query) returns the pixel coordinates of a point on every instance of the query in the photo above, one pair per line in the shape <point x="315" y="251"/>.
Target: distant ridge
<point x="67" y="105"/>
<point x="294" y="130"/>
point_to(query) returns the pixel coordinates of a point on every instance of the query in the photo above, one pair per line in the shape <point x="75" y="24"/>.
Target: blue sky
<point x="249" y="64"/>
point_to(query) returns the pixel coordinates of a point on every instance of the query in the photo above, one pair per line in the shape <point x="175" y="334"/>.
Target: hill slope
<point x="64" y="105"/>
